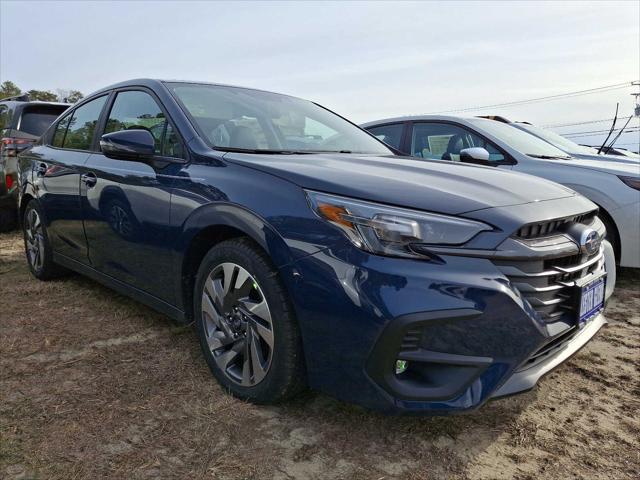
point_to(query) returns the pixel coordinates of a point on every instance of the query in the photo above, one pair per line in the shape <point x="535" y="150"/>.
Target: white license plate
<point x="591" y="299"/>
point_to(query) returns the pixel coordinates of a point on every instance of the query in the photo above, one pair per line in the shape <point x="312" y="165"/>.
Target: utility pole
<point x="636" y="110"/>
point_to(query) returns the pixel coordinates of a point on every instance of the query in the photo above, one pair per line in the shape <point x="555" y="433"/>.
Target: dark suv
<point x="305" y="253"/>
<point x="21" y="122"/>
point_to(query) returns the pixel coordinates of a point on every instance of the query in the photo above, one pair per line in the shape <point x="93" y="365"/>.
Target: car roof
<point x="157" y="83"/>
<point x="419" y="118"/>
<point x="13" y="103"/>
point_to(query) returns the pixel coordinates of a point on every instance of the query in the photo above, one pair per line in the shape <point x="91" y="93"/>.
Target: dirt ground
<point x="94" y="385"/>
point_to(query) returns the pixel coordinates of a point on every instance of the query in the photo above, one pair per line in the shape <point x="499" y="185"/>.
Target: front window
<point x="521" y="141"/>
<point x="445" y="141"/>
<point x="138" y="110"/>
<point x="232" y="118"/>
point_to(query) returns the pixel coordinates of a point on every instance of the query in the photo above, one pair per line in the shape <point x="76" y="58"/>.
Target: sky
<point x="365" y="60"/>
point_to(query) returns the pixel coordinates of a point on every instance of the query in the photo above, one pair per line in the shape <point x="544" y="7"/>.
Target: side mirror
<point x="135" y="144"/>
<point x="475" y="155"/>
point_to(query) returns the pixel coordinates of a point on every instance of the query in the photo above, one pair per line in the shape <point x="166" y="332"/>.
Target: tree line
<point x="10" y="89"/>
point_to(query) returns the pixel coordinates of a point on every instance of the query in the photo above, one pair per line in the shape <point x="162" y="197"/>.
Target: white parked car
<point x="612" y="184"/>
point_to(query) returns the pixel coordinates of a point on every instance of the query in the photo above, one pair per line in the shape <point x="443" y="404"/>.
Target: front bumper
<point x="526" y="377"/>
<point x="460" y="321"/>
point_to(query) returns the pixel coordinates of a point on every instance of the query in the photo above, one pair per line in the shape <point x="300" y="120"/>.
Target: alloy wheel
<point x="35" y="239"/>
<point x="237" y="324"/>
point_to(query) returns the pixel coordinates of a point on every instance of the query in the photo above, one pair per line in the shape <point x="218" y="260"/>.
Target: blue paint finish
<point x="135" y="222"/>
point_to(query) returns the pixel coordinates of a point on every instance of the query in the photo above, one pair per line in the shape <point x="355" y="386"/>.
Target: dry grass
<point x="93" y="385"/>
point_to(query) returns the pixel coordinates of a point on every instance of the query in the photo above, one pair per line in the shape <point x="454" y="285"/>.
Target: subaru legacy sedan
<point x="306" y="254"/>
<point x="612" y="184"/>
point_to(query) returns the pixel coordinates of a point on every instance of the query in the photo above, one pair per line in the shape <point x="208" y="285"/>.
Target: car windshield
<point x="232" y="118"/>
<point x="519" y="140"/>
<point x="556" y="140"/>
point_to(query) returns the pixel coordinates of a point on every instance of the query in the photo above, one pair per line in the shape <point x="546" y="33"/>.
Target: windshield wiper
<point x="263" y="151"/>
<point x="547" y="157"/>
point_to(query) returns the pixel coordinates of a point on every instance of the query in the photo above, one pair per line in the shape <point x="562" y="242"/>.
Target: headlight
<point x="390" y="230"/>
<point x="633" y="182"/>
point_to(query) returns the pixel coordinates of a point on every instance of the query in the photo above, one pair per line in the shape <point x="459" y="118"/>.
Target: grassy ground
<point x="93" y="385"/>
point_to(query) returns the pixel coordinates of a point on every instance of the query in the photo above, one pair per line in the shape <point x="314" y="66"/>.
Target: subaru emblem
<point x="589" y="241"/>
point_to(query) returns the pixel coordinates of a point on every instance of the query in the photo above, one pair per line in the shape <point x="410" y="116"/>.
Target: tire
<point x="611" y="236"/>
<point x="236" y="318"/>
<point x="37" y="247"/>
<point x="8" y="219"/>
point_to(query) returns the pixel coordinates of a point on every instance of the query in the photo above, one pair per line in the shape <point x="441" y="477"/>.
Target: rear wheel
<point x="37" y="246"/>
<point x="246" y="328"/>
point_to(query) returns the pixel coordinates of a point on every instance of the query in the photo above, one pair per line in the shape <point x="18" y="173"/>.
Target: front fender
<point x="225" y="214"/>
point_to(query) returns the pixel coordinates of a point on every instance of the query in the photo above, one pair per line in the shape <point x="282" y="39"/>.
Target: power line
<point x="599" y="132"/>
<point x="588" y="122"/>
<point x="589" y="91"/>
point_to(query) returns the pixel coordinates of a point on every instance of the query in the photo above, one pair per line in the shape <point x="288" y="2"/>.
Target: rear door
<point x="57" y="165"/>
<point x="126" y="205"/>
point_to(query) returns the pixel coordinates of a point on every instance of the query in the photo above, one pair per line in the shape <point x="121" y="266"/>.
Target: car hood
<point x="602" y="163"/>
<point x="443" y="187"/>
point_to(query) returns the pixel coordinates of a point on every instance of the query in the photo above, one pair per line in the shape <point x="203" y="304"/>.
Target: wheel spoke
<point x="265" y="333"/>
<point x="228" y="269"/>
<point x="257" y="360"/>
<point x="216" y="292"/>
<point x="258" y="309"/>
<point x="246" y="366"/>
<point x="224" y="360"/>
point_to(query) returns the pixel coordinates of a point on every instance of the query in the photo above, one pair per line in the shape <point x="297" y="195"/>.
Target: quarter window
<point x="138" y="110"/>
<point x="82" y="125"/>
<point x="389" y="134"/>
<point x="444" y="141"/>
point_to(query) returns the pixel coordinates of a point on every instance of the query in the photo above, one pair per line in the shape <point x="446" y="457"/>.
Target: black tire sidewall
<point x="8" y="219"/>
<point x="283" y="373"/>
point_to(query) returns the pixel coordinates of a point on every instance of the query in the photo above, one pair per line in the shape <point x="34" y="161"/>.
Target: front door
<point x="127" y="204"/>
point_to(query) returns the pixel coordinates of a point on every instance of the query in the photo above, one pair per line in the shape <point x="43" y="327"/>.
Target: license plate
<point x="591" y="299"/>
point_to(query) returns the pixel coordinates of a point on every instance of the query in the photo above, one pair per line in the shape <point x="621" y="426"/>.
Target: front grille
<point x="556" y="344"/>
<point x="549" y="285"/>
<point x="551" y="227"/>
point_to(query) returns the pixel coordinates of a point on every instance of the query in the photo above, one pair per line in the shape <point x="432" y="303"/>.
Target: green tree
<point x="9" y="89"/>
<point x="42" y="95"/>
<point x="74" y="96"/>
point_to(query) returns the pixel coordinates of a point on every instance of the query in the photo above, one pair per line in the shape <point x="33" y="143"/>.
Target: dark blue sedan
<point x="306" y="253"/>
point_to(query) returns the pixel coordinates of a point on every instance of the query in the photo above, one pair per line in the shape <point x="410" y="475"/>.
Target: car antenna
<point x="615" y="118"/>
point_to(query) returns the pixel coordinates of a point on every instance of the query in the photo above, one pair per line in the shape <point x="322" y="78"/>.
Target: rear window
<point x="36" y="119"/>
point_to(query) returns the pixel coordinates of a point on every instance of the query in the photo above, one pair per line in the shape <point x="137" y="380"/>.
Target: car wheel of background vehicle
<point x="611" y="236"/>
<point x="37" y="246"/>
<point x="8" y="217"/>
<point x="245" y="324"/>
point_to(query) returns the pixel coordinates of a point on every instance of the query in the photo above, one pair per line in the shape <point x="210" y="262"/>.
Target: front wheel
<point x="246" y="327"/>
<point x="37" y="247"/>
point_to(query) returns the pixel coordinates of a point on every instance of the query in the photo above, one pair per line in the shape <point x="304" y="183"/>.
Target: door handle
<point x="89" y="179"/>
<point x="41" y="169"/>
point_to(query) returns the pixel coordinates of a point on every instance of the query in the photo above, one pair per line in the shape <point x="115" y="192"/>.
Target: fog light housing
<point x="401" y="366"/>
